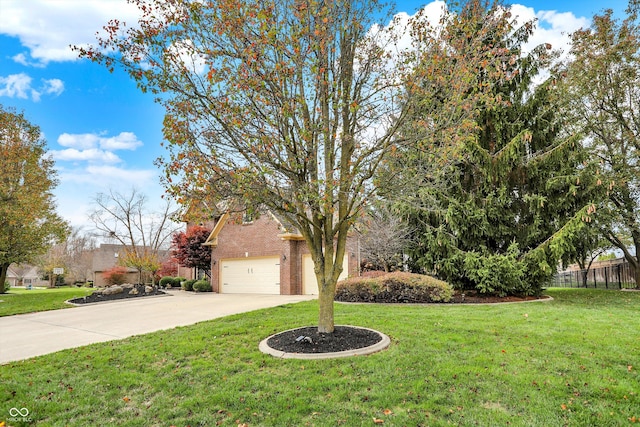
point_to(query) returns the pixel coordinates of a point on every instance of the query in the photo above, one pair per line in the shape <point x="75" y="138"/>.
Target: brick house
<point x="106" y="257"/>
<point x="264" y="256"/>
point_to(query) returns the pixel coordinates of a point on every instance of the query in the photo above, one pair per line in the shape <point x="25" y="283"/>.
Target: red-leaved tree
<point x="116" y="275"/>
<point x="188" y="250"/>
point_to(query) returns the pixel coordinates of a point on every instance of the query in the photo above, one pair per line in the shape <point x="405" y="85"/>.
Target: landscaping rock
<point x="111" y="290"/>
<point x="128" y="286"/>
<point x="138" y="291"/>
<point x="148" y="289"/>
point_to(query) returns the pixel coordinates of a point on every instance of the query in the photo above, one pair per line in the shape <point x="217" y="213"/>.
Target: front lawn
<point x="19" y="301"/>
<point x="573" y="361"/>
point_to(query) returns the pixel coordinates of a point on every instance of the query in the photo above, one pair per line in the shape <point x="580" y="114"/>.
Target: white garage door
<point x="250" y="276"/>
<point x="309" y="281"/>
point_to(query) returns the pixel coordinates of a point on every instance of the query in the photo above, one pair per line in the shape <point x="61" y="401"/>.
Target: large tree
<point x="602" y="88"/>
<point x="384" y="239"/>
<point x="283" y="104"/>
<point x="74" y="254"/>
<point x="497" y="201"/>
<point x="128" y="219"/>
<point x="28" y="221"/>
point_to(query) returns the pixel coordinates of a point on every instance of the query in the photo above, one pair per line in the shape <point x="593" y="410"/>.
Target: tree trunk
<point x="636" y="274"/>
<point x="325" y="299"/>
<point x="3" y="277"/>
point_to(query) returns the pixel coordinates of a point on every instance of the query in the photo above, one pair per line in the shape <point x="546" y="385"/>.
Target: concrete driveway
<point x="28" y="335"/>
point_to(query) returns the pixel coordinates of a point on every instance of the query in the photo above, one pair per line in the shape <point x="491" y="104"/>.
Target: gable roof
<point x="289" y="231"/>
<point x="212" y="240"/>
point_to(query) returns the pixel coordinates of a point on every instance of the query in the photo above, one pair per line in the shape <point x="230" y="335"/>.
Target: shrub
<point x="177" y="281"/>
<point x="202" y="286"/>
<point x="500" y="274"/>
<point x="395" y="287"/>
<point x="166" y="280"/>
<point x="187" y="285"/>
<point x="116" y="275"/>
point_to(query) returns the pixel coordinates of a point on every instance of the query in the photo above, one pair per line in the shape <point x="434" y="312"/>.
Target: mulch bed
<point x="96" y="297"/>
<point x="309" y="340"/>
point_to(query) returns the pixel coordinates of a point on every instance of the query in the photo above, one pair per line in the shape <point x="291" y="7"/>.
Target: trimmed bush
<point x="397" y="287"/>
<point x="202" y="286"/>
<point x="116" y="275"/>
<point x="177" y="281"/>
<point x="187" y="285"/>
<point x="166" y="280"/>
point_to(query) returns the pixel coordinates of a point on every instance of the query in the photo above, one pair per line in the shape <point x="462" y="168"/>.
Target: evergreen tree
<point x="498" y="202"/>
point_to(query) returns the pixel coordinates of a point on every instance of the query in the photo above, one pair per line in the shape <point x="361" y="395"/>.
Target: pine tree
<point x="498" y="202"/>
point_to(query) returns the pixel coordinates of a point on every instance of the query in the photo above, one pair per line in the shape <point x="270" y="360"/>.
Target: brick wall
<point x="259" y="238"/>
<point x="255" y="239"/>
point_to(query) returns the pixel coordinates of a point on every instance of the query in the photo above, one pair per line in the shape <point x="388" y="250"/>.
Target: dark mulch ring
<point x="126" y="293"/>
<point x="309" y="340"/>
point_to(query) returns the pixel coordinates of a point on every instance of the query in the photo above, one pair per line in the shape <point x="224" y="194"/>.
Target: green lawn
<point x="574" y="361"/>
<point x="19" y="301"/>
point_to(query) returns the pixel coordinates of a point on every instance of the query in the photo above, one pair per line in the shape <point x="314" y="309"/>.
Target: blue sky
<point x="101" y="130"/>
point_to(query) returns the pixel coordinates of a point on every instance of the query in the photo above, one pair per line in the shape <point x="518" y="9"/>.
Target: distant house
<point x="24" y="275"/>
<point x="265" y="256"/>
<point x="106" y="257"/>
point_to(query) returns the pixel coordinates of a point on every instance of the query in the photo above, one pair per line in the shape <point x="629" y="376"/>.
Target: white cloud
<point x="47" y="28"/>
<point x="22" y="59"/>
<point x="93" y="148"/>
<point x="123" y="176"/>
<point x="124" y="141"/>
<point x="85" y="141"/>
<point x="186" y="55"/>
<point x="90" y="155"/>
<point x="53" y="86"/>
<point x="15" y="86"/>
<point x="93" y="179"/>
<point x="78" y="186"/>
<point x="80" y="141"/>
<point x="552" y="27"/>
<point x="19" y="86"/>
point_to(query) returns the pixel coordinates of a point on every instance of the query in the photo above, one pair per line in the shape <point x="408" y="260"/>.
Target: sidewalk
<point x="28" y="335"/>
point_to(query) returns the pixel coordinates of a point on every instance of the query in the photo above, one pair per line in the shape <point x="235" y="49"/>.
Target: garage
<point x="250" y="275"/>
<point x="309" y="282"/>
